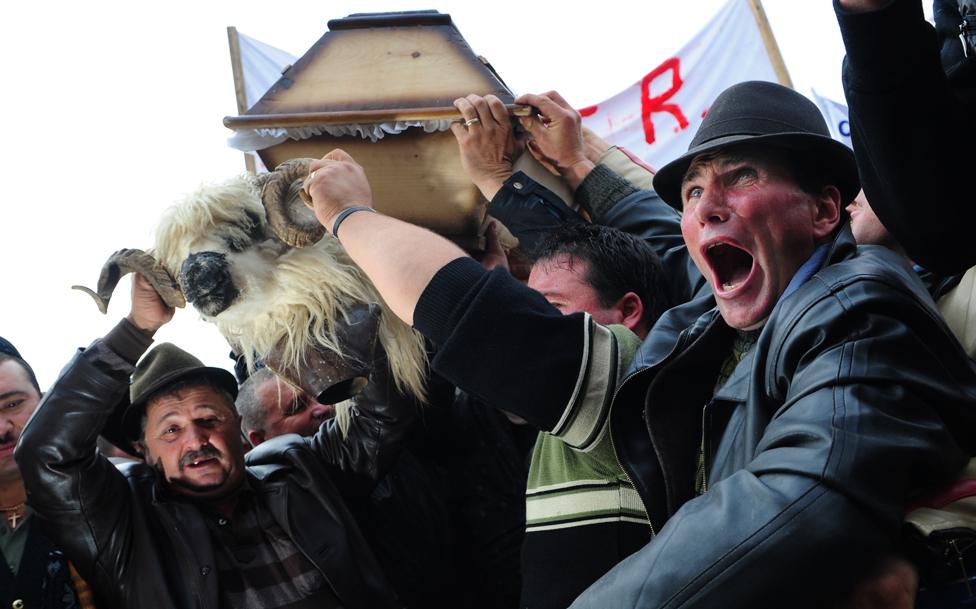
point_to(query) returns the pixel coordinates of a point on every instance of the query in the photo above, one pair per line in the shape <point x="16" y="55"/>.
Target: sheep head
<point x="266" y="296"/>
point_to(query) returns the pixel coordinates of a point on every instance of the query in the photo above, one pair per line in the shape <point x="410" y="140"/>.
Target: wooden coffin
<point x="382" y="68"/>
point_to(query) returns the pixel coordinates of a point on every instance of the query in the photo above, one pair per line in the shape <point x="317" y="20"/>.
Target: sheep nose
<point x="207" y="283"/>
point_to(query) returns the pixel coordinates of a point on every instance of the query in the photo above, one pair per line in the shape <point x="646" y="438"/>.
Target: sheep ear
<point x="127" y="261"/>
<point x="290" y="219"/>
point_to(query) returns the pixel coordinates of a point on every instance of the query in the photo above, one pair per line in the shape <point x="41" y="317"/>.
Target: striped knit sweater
<point x="583" y="515"/>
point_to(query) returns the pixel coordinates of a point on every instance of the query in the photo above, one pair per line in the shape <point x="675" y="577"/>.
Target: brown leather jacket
<point x="140" y="546"/>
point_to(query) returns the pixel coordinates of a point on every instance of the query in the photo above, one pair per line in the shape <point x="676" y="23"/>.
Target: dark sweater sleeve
<point x="601" y="189"/>
<point x="908" y="128"/>
<point x="501" y="341"/>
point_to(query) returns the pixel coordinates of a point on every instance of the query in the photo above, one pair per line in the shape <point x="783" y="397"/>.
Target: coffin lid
<point x="375" y="68"/>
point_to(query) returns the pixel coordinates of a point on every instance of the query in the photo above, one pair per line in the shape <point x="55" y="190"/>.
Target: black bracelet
<point x="345" y="214"/>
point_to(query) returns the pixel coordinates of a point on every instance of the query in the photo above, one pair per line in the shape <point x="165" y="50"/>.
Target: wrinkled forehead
<point x="275" y="391"/>
<point x="768" y="157"/>
<point x="14" y="379"/>
<point x="188" y="401"/>
<point x="561" y="261"/>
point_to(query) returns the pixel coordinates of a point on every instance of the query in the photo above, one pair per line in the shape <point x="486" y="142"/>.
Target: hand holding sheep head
<point x="336" y="182"/>
<point x="149" y="312"/>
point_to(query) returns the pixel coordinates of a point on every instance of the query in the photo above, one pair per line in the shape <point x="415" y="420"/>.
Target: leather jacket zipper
<point x="613" y="447"/>
<point x="704" y="449"/>
<point x="678" y="344"/>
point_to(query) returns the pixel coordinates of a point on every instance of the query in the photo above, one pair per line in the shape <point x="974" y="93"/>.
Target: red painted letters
<point x="650" y="105"/>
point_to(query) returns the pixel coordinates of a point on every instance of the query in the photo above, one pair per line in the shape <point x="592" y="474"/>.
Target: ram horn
<point x="289" y="217"/>
<point x="127" y="261"/>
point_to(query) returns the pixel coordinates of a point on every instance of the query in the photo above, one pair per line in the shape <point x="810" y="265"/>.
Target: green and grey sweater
<point x="583" y="515"/>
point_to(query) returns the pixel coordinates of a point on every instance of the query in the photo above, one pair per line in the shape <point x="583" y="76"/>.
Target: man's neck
<point x="225" y="507"/>
<point x="12" y="492"/>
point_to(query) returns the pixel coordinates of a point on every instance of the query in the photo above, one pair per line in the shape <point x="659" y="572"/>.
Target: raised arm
<point x="399" y="258"/>
<point x="556" y="137"/>
<point x="378" y="425"/>
<point x="81" y="497"/>
<point x="482" y="323"/>
<point x="892" y="72"/>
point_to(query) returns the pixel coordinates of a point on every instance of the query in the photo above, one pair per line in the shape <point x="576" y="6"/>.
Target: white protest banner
<point x="656" y="117"/>
<point x="836" y="115"/>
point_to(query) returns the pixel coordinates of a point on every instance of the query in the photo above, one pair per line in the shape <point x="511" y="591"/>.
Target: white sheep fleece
<point x="285" y="293"/>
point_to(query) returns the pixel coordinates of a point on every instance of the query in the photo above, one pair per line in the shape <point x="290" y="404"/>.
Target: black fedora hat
<point x="163" y="366"/>
<point x="767" y="114"/>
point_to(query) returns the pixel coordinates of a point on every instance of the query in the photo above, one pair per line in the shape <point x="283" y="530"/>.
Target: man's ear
<point x="631" y="310"/>
<point x="826" y="215"/>
<point x="255" y="437"/>
<point x="140" y="448"/>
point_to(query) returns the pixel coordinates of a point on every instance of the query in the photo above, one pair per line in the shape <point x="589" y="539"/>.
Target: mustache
<point x="8" y="438"/>
<point x="206" y="452"/>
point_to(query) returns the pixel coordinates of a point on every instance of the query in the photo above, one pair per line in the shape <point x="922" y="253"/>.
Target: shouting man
<point x="777" y="424"/>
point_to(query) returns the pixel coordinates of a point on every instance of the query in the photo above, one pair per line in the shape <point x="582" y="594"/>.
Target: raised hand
<point x="494" y="254"/>
<point x="148" y="312"/>
<point x="487" y="142"/>
<point x="336" y="182"/>
<point x="555" y="135"/>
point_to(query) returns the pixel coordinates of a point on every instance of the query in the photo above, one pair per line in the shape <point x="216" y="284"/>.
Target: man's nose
<point x="711" y="207"/>
<point x="197" y="437"/>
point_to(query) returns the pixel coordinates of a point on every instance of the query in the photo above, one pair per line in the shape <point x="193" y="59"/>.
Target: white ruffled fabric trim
<point x="249" y="140"/>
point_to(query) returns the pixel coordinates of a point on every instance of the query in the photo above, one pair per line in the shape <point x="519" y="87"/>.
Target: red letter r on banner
<point x="650" y="104"/>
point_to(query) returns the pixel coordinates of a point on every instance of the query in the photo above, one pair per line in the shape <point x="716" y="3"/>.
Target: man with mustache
<point x="777" y="425"/>
<point x="196" y="525"/>
<point x="34" y="572"/>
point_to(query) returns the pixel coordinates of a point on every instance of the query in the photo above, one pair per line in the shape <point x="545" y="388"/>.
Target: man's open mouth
<point x="198" y="463"/>
<point x="730" y="264"/>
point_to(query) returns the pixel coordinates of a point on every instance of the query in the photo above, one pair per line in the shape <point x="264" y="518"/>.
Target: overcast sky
<point x="112" y="112"/>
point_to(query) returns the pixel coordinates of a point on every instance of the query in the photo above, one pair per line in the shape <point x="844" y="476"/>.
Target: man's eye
<point x="297" y="405"/>
<point x="693" y="192"/>
<point x="13" y="404"/>
<point x="171" y="430"/>
<point x="745" y="174"/>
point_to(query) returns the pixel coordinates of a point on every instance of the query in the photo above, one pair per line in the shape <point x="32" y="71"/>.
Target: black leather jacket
<point x="140" y="546"/>
<point x="854" y="399"/>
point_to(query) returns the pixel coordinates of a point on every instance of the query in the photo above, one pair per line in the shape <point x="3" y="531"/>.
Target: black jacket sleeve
<point x="81" y="497"/>
<point x="910" y="133"/>
<point x="501" y="341"/>
<point x="378" y="425"/>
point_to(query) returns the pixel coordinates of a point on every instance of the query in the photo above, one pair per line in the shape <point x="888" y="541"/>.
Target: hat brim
<point x="836" y="158"/>
<point x="123" y="427"/>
